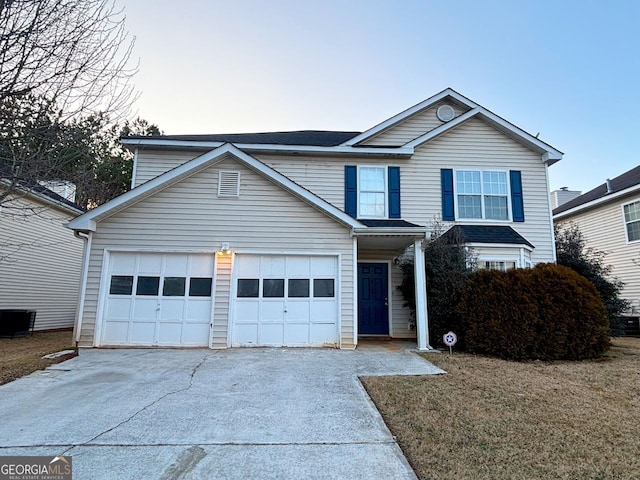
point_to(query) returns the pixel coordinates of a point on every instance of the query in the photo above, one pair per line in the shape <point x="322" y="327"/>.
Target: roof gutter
<point x="390" y="231"/>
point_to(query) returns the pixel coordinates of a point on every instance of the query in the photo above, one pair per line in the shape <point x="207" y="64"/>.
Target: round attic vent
<point x="445" y="113"/>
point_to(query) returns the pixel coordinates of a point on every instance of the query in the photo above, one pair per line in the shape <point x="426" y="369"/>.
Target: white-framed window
<point x="502" y="265"/>
<point x="372" y="192"/>
<point x="482" y="194"/>
<point x="632" y="220"/>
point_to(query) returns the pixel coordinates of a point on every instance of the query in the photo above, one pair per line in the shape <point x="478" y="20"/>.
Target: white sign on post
<point x="450" y="339"/>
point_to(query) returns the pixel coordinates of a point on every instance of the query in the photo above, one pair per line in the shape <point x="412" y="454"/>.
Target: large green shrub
<point x="549" y="313"/>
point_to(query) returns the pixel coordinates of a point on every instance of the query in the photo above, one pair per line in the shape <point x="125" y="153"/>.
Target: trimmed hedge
<point x="549" y="313"/>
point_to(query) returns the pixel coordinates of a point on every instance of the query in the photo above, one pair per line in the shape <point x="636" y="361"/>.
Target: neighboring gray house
<point x="40" y="259"/>
<point x="609" y="218"/>
<point x="289" y="238"/>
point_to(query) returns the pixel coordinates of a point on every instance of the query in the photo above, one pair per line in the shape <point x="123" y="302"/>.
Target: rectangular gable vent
<point x="228" y="184"/>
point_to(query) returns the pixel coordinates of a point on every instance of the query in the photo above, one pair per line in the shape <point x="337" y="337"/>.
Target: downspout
<point x="83" y="283"/>
<point x="134" y="168"/>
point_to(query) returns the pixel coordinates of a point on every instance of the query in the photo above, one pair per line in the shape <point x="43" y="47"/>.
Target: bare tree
<point x="64" y="71"/>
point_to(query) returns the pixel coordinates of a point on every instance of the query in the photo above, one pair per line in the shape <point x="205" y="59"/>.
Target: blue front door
<point x="373" y="301"/>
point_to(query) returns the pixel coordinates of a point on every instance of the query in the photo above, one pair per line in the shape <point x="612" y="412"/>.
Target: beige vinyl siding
<point x="40" y="263"/>
<point x="222" y="300"/>
<point x="151" y="163"/>
<point x="604" y="229"/>
<point x="412" y="127"/>
<point x="472" y="145"/>
<point x="400" y="316"/>
<point x="190" y="216"/>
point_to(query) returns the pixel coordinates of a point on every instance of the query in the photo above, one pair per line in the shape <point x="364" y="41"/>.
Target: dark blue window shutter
<point x="517" y="203"/>
<point x="351" y="190"/>
<point x="446" y="180"/>
<point x="394" y="192"/>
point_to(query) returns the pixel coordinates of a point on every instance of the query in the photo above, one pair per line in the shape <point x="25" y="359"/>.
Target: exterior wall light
<point x="224" y="249"/>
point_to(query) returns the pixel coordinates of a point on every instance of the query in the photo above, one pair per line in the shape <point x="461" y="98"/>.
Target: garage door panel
<point x="200" y="265"/>
<point x="192" y="334"/>
<point x="172" y="309"/>
<point x="323" y="266"/>
<point x="119" y="308"/>
<point x="150" y="264"/>
<point x="297" y="334"/>
<point x="176" y="265"/>
<point x="246" y="311"/>
<point x="143" y="333"/>
<point x="168" y="332"/>
<point x="273" y="267"/>
<point x="271" y="334"/>
<point x="299" y="267"/>
<point x="116" y="333"/>
<point x="246" y="266"/>
<point x="122" y="262"/>
<point x="145" y="309"/>
<point x="298" y="311"/>
<point x="272" y="311"/>
<point x="322" y="333"/>
<point x="245" y="334"/>
<point x="198" y="311"/>
<point x="323" y="311"/>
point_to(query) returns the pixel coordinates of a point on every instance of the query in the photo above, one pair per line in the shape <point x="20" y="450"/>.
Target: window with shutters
<point x="482" y="194"/>
<point x="228" y="183"/>
<point x="372" y="192"/>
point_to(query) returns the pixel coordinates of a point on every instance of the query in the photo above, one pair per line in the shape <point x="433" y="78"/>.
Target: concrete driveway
<point x="196" y="414"/>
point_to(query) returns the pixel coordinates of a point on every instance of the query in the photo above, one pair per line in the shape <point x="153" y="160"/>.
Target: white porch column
<point x="422" y="320"/>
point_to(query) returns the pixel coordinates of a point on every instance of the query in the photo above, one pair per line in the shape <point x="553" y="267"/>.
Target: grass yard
<point x="22" y="356"/>
<point x="496" y="419"/>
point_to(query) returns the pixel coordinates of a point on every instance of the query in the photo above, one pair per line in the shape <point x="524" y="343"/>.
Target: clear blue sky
<point x="567" y="69"/>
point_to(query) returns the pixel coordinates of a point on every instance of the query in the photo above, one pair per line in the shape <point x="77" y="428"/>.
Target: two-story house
<point x="608" y="217"/>
<point x="289" y="238"/>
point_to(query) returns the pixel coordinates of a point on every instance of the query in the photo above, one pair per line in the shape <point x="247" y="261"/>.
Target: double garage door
<point x="167" y="300"/>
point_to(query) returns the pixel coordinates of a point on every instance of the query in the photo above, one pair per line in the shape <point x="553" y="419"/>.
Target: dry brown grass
<point x="22" y="356"/>
<point x="495" y="419"/>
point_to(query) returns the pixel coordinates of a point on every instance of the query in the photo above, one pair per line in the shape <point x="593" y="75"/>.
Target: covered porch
<point x="379" y="250"/>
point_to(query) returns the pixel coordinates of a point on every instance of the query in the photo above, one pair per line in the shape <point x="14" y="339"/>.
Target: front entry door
<point x="373" y="300"/>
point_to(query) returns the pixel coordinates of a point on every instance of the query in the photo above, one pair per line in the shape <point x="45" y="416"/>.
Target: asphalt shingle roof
<point x="316" y="138"/>
<point x="621" y="182"/>
<point x="487" y="234"/>
<point x="391" y="223"/>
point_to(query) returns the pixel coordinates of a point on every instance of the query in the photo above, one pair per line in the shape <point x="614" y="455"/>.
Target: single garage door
<point x="158" y="299"/>
<point x="285" y="300"/>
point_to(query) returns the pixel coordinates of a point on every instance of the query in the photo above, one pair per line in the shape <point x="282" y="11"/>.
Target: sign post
<point x="450" y="339"/>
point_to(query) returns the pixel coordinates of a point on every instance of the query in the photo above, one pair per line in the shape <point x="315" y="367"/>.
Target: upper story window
<point x="372" y="192"/>
<point x="632" y="220"/>
<point x="482" y="194"/>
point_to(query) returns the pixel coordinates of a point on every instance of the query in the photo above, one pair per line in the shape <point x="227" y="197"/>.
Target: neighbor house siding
<point x="151" y="163"/>
<point x="604" y="229"/>
<point x="40" y="262"/>
<point x="412" y="127"/>
<point x="190" y="216"/>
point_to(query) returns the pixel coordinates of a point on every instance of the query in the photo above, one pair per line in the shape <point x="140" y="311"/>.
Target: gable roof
<point x="502" y="234"/>
<point x="619" y="186"/>
<point x="88" y="221"/>
<point x="321" y="142"/>
<point x="318" y="138"/>
<point x="550" y="154"/>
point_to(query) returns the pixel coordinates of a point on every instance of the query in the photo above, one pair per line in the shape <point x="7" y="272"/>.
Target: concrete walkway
<point x="197" y="414"/>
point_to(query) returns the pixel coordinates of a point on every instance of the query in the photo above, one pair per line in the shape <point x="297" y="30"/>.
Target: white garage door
<point x="285" y="300"/>
<point x="158" y="299"/>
